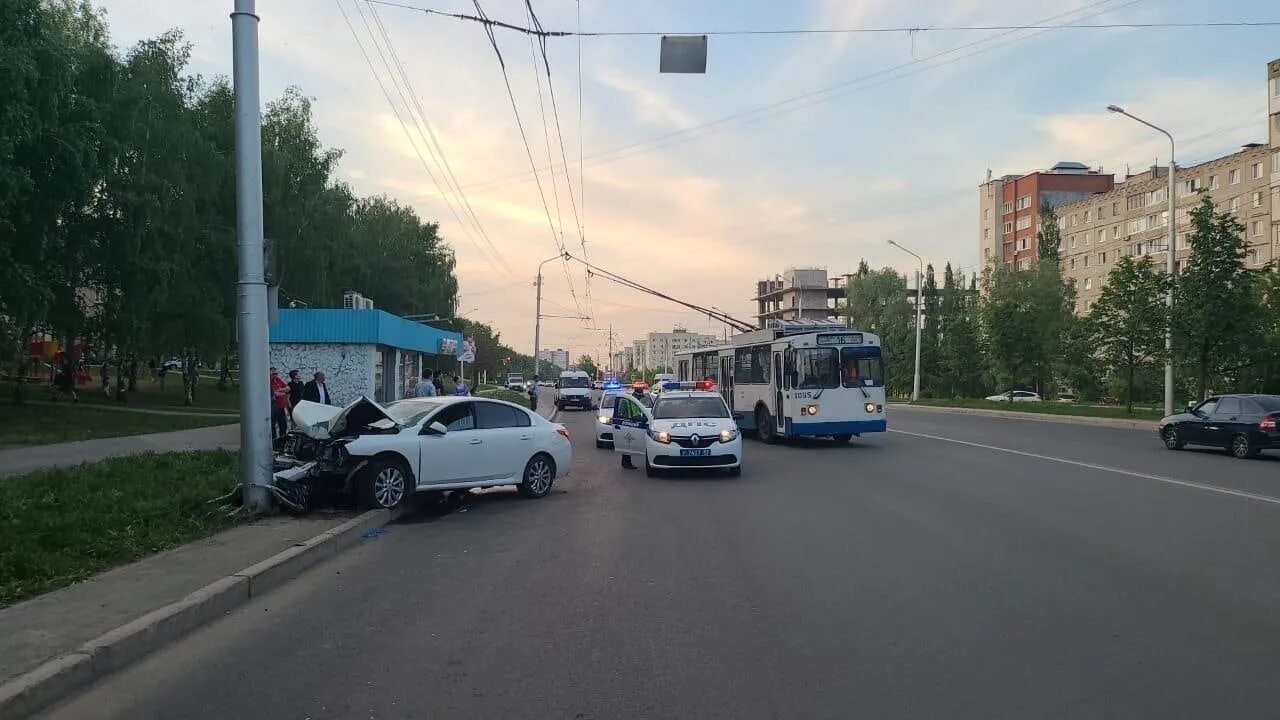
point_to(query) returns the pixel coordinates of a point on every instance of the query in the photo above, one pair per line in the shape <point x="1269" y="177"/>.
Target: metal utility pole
<point x="915" y="386"/>
<point x="537" y="314"/>
<point x="1170" y="260"/>
<point x="251" y="286"/>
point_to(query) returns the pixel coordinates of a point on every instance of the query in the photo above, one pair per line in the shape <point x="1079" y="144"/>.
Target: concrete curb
<point x="58" y="678"/>
<point x="1037" y="417"/>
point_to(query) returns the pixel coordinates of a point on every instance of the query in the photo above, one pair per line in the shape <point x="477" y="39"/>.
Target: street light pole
<point x="537" y="313"/>
<point x="251" y="285"/>
<point x="915" y="386"/>
<point x="1170" y="259"/>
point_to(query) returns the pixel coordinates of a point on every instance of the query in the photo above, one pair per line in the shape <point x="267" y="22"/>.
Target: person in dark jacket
<point x="295" y="388"/>
<point x="316" y="391"/>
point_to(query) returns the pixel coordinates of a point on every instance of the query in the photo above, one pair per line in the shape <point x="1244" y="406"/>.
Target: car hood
<point x="693" y="426"/>
<point x="326" y="421"/>
<point x="1177" y="417"/>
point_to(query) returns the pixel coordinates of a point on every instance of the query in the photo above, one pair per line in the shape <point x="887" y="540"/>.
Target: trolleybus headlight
<point x="728" y="435"/>
<point x="808" y="409"/>
<point x="661" y="436"/>
<point x="870" y="407"/>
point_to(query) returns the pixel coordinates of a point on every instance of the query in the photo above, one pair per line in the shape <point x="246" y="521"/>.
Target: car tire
<point x="1242" y="446"/>
<point x="842" y="438"/>
<point x="385" y="484"/>
<point x="764" y="427"/>
<point x="649" y="470"/>
<point x="539" y="475"/>
<point x="1171" y="438"/>
<point x="735" y="471"/>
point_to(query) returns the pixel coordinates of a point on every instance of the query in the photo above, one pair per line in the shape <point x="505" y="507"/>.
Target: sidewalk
<point x="188" y="412"/>
<point x="17" y="461"/>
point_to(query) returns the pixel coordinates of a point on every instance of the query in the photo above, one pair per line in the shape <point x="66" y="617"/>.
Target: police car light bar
<point x="689" y="385"/>
<point x="612" y="385"/>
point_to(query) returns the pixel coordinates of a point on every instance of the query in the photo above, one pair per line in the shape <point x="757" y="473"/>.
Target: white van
<point x="573" y="389"/>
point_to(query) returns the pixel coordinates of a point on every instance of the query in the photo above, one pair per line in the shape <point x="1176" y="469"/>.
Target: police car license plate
<point x="695" y="452"/>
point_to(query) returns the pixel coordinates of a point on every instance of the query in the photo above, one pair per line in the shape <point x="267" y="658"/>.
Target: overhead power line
<point x="524" y="138"/>
<point x="841" y="89"/>
<point x="716" y="315"/>
<point x="409" y="136"/>
<point x="434" y="148"/>
<point x="539" y="31"/>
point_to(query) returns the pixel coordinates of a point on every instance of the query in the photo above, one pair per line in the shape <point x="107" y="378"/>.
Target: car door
<point x="1195" y="429"/>
<point x="629" y="426"/>
<point x="455" y="456"/>
<point x="504" y="446"/>
<point x="1223" y="422"/>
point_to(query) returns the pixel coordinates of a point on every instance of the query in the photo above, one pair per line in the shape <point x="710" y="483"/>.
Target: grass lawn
<point x="44" y="424"/>
<point x="511" y="396"/>
<point x="60" y="526"/>
<point x="1049" y="408"/>
<point x="148" y="394"/>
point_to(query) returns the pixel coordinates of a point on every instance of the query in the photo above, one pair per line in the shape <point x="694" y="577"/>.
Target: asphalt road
<point x="962" y="567"/>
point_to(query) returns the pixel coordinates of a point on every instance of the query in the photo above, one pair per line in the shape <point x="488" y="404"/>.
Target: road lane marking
<point x="1105" y="468"/>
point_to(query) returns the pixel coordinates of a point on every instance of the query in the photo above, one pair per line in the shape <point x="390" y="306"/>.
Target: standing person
<point x="133" y="372"/>
<point x="533" y="395"/>
<point x="279" y="405"/>
<point x="295" y="388"/>
<point x="151" y="368"/>
<point x="411" y="391"/>
<point x="316" y="391"/>
<point x="437" y="379"/>
<point x="160" y="373"/>
<point x="460" y="386"/>
<point x="106" y="379"/>
<point x="427" y="385"/>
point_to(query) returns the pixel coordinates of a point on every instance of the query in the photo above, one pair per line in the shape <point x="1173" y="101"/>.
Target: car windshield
<point x="409" y="412"/>
<point x="861" y="367"/>
<point x="690" y="407"/>
<point x="817" y="368"/>
<point x="575" y="382"/>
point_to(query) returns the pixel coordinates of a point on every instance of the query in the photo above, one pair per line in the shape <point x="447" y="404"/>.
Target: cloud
<point x="651" y="106"/>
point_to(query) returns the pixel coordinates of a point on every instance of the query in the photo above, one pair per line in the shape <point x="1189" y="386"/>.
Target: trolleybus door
<point x="777" y="390"/>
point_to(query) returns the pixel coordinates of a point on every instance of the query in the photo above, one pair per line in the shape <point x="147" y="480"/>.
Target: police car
<point x="612" y="390"/>
<point x="688" y="427"/>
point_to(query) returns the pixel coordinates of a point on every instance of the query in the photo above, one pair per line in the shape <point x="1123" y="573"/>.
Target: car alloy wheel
<point x="388" y="487"/>
<point x="1171" y="439"/>
<point x="539" y="473"/>
<point x="1241" y="447"/>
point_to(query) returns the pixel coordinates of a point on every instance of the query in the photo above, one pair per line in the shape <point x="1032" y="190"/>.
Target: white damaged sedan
<point x="384" y="454"/>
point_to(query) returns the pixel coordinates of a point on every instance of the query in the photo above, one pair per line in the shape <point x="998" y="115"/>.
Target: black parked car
<point x="1243" y="424"/>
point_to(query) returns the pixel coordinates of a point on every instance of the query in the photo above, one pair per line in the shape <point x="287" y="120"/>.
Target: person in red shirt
<point x="279" y="405"/>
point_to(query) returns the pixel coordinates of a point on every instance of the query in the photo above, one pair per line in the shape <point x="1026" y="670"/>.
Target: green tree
<point x="878" y="303"/>
<point x="587" y="365"/>
<point x="1213" y="318"/>
<point x="930" y="366"/>
<point x="1009" y="323"/>
<point x="1128" y="321"/>
<point x="1265" y="375"/>
<point x="1052" y="300"/>
<point x="960" y="356"/>
<point x="1048" y="235"/>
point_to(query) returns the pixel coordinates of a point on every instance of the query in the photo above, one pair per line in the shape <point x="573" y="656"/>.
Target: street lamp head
<point x="892" y="243"/>
<point x="1115" y="109"/>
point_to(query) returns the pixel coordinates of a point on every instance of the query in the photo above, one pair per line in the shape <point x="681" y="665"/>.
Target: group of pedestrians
<point x="432" y="384"/>
<point x="286" y="395"/>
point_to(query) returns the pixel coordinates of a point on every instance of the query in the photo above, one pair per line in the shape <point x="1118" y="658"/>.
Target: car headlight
<point x="728" y="434"/>
<point x="604" y="419"/>
<point x="869" y="407"/>
<point x="661" y="436"/>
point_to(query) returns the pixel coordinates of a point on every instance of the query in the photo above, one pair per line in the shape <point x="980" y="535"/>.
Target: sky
<point x="797" y="150"/>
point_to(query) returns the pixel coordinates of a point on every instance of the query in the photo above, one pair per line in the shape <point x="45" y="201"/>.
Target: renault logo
<point x="694" y="439"/>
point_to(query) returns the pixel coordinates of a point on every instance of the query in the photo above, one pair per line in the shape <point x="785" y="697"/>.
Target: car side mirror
<point x="435" y="428"/>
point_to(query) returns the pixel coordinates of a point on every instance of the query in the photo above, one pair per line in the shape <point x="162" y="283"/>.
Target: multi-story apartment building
<point x="622" y="361"/>
<point x="656" y="350"/>
<point x="1133" y="219"/>
<point x="1009" y="208"/>
<point x="558" y="357"/>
